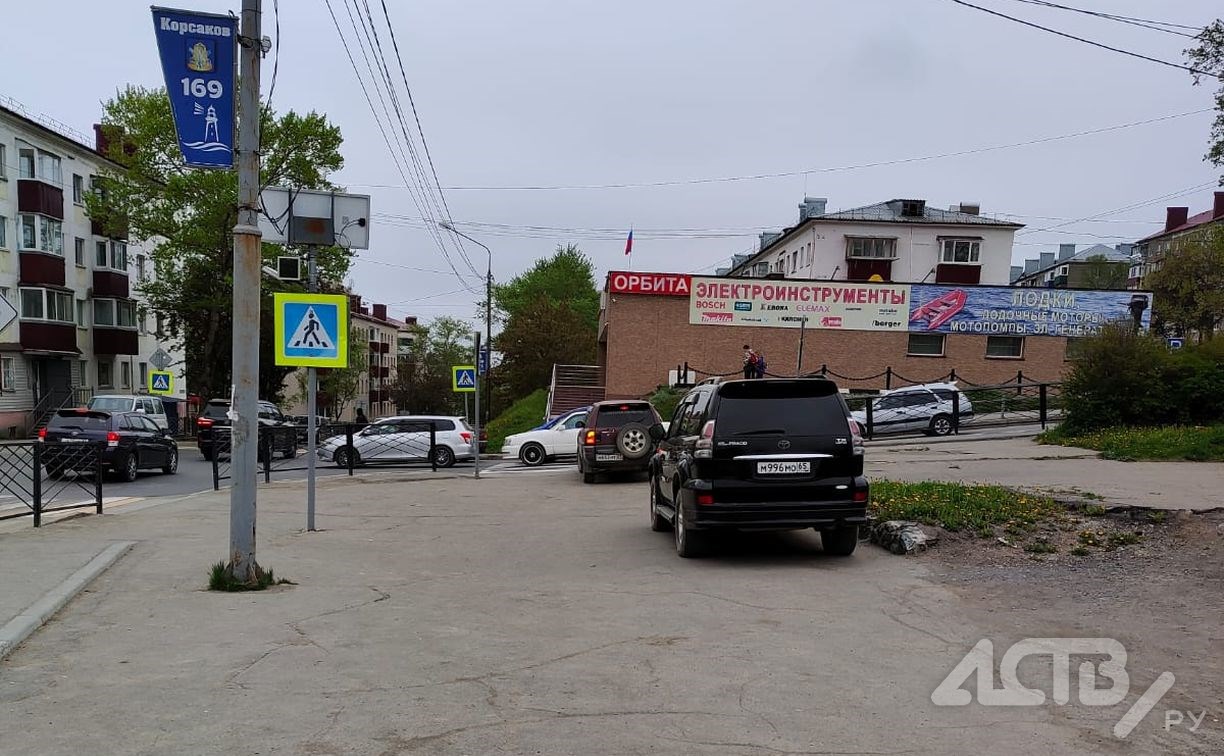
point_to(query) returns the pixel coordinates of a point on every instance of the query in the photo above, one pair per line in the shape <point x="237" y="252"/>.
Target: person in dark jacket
<point x="361" y="420"/>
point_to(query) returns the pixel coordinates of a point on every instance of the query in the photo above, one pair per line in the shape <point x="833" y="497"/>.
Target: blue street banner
<point x="1023" y="311"/>
<point x="197" y="56"/>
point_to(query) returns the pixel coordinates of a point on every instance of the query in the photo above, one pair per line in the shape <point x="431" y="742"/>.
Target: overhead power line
<point x="1101" y="45"/>
<point x="1160" y="26"/>
<point x="804" y="172"/>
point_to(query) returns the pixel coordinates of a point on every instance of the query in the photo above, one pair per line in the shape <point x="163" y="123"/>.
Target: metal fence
<point x="282" y="448"/>
<point x="972" y="406"/>
<point x="47" y="477"/>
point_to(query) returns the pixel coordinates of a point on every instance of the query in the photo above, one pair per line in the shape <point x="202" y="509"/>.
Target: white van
<point x="149" y="406"/>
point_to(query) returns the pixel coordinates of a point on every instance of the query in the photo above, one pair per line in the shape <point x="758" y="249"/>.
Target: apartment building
<point x="1095" y="267"/>
<point x="80" y="326"/>
<point x="898" y="240"/>
<point x="1179" y="224"/>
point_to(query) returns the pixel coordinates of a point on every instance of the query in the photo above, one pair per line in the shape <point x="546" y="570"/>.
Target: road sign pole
<point x="476" y="412"/>
<point x="247" y="263"/>
<point x="312" y="399"/>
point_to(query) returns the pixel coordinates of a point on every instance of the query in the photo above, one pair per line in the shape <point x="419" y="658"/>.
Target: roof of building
<point x="1097" y="250"/>
<point x="1201" y="219"/>
<point x="52" y="128"/>
<point x="890" y="212"/>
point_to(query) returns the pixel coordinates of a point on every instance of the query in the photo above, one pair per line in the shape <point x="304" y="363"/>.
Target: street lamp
<point x="488" y="312"/>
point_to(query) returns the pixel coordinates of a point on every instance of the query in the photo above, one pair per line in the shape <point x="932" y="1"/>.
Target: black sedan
<point x="130" y="443"/>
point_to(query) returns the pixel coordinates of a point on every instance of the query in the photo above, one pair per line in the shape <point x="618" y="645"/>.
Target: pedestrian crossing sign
<point x="463" y="378"/>
<point x="311" y="329"/>
<point x="161" y="382"/>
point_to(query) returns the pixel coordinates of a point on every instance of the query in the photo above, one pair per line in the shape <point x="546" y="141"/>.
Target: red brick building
<point x="650" y="323"/>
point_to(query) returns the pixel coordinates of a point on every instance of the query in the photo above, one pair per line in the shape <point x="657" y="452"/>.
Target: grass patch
<point x="1081" y="551"/>
<point x="219" y="579"/>
<point x="1175" y="442"/>
<point x="1040" y="547"/>
<point x="956" y="506"/>
<point x="1094" y="510"/>
<point x="523" y="415"/>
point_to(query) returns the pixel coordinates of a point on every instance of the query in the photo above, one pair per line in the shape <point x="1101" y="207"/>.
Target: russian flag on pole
<point x="629" y="243"/>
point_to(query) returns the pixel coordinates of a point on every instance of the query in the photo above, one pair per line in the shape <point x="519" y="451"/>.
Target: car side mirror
<point x="657" y="431"/>
<point x="140" y="410"/>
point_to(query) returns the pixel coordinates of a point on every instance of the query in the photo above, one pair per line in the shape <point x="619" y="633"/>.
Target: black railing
<point x="50" y="477"/>
<point x="282" y="448"/>
<point x="943" y="412"/>
<point x="688" y="375"/>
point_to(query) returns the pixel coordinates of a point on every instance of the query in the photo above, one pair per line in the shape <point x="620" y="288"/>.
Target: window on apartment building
<point x="3" y="161"/>
<point x="125" y="312"/>
<point x="8" y="374"/>
<point x="80" y="314"/>
<point x="101" y="257"/>
<point x="140" y="268"/>
<point x="144" y="374"/>
<point x="49" y="168"/>
<point x="794" y="261"/>
<point x="38" y="232"/>
<point x="3" y="232"/>
<point x="863" y="247"/>
<point x="83" y="372"/>
<point x="1005" y="347"/>
<point x="46" y="304"/>
<point x="960" y="250"/>
<point x="119" y="313"/>
<point x="78" y="250"/>
<point x="78" y="189"/>
<point x="104" y="312"/>
<point x="118" y="256"/>
<point x="25" y="161"/>
<point x="925" y="345"/>
<point x="142" y="319"/>
<point x="125" y="375"/>
<point x="105" y="373"/>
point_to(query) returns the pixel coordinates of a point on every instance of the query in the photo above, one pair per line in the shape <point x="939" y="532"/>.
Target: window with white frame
<point x="104" y="312"/>
<point x="26" y="160"/>
<point x="78" y="250"/>
<point x="38" y="232"/>
<point x="870" y="248"/>
<point x="3" y="232"/>
<point x="125" y="372"/>
<point x="144" y="375"/>
<point x="80" y="314"/>
<point x="49" y="169"/>
<point x="78" y="189"/>
<point x="46" y="304"/>
<point x="105" y="373"/>
<point x="119" y="251"/>
<point x="1005" y="347"/>
<point x="960" y="250"/>
<point x="8" y="374"/>
<point x="39" y="164"/>
<point x="141" y="273"/>
<point x="926" y="345"/>
<point x="115" y="313"/>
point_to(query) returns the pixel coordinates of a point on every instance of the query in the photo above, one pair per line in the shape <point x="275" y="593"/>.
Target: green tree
<point x="1099" y="272"/>
<point x="423" y="380"/>
<point x="186" y="216"/>
<point x="1208" y="56"/>
<point x="339" y="387"/>
<point x="550" y="314"/>
<point x="1188" y="287"/>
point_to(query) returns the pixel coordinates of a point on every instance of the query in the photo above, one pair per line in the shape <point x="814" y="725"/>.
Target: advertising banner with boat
<point x="1023" y="311"/>
<point x="788" y="304"/>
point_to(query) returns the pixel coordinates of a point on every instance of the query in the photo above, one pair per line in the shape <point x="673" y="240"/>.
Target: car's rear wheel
<point x="343" y="454"/>
<point x="532" y="455"/>
<point x="129" y="469"/>
<point x="941" y="425"/>
<point x="171" y="466"/>
<point x="444" y="457"/>
<point x="657" y="522"/>
<point x="689" y="544"/>
<point x="840" y="541"/>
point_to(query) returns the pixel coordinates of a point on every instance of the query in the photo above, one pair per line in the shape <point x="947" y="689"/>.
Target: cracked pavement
<point x="523" y="614"/>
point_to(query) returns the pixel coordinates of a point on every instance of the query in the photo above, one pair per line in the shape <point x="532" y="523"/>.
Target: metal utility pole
<point x="488" y="312"/>
<point x="247" y="264"/>
<point x="799" y="363"/>
<point x="312" y="400"/>
<point x="476" y="413"/>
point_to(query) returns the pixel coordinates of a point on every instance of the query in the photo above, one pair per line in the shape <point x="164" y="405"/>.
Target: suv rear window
<point x="80" y="420"/>
<point x="793" y="408"/>
<point x="617" y="415"/>
<point x="216" y="410"/>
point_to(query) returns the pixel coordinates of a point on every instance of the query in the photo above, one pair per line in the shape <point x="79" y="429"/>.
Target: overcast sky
<point x="536" y="93"/>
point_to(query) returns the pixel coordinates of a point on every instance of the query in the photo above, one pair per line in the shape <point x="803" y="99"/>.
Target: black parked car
<point x="133" y="442"/>
<point x="616" y="438"/>
<point x="281" y="434"/>
<point x="759" y="454"/>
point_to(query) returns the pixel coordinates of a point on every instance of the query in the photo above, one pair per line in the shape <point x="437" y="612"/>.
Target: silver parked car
<point x="402" y="439"/>
<point x="926" y="408"/>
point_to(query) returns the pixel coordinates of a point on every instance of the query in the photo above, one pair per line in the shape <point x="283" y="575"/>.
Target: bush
<point x="1124" y="378"/>
<point x="522" y="415"/>
<point x="665" y="400"/>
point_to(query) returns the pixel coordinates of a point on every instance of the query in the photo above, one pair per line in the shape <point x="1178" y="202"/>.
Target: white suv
<point x="927" y="408"/>
<point x="149" y="406"/>
<point x="402" y="439"/>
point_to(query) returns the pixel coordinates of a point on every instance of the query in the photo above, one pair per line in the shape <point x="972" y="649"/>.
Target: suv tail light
<point x="466" y="436"/>
<point x="112" y="438"/>
<point x="856" y="438"/>
<point x="704" y="448"/>
<point x="588" y="438"/>
<point x="860" y="495"/>
<point x="203" y="422"/>
<point x="705" y="499"/>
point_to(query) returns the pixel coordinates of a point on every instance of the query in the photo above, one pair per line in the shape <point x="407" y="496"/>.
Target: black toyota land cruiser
<point x="759" y="454"/>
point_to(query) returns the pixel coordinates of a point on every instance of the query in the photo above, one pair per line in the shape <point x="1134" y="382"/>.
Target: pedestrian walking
<point x="361" y="420"/>
<point x="750" y="362"/>
<point x="760" y="365"/>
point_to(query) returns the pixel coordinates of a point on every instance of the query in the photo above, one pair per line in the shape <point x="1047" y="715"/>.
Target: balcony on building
<point x="114" y="326"/>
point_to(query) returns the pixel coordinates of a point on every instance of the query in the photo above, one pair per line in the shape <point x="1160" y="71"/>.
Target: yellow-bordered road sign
<point x="463" y="378"/>
<point x="161" y="382"/>
<point x="311" y="330"/>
